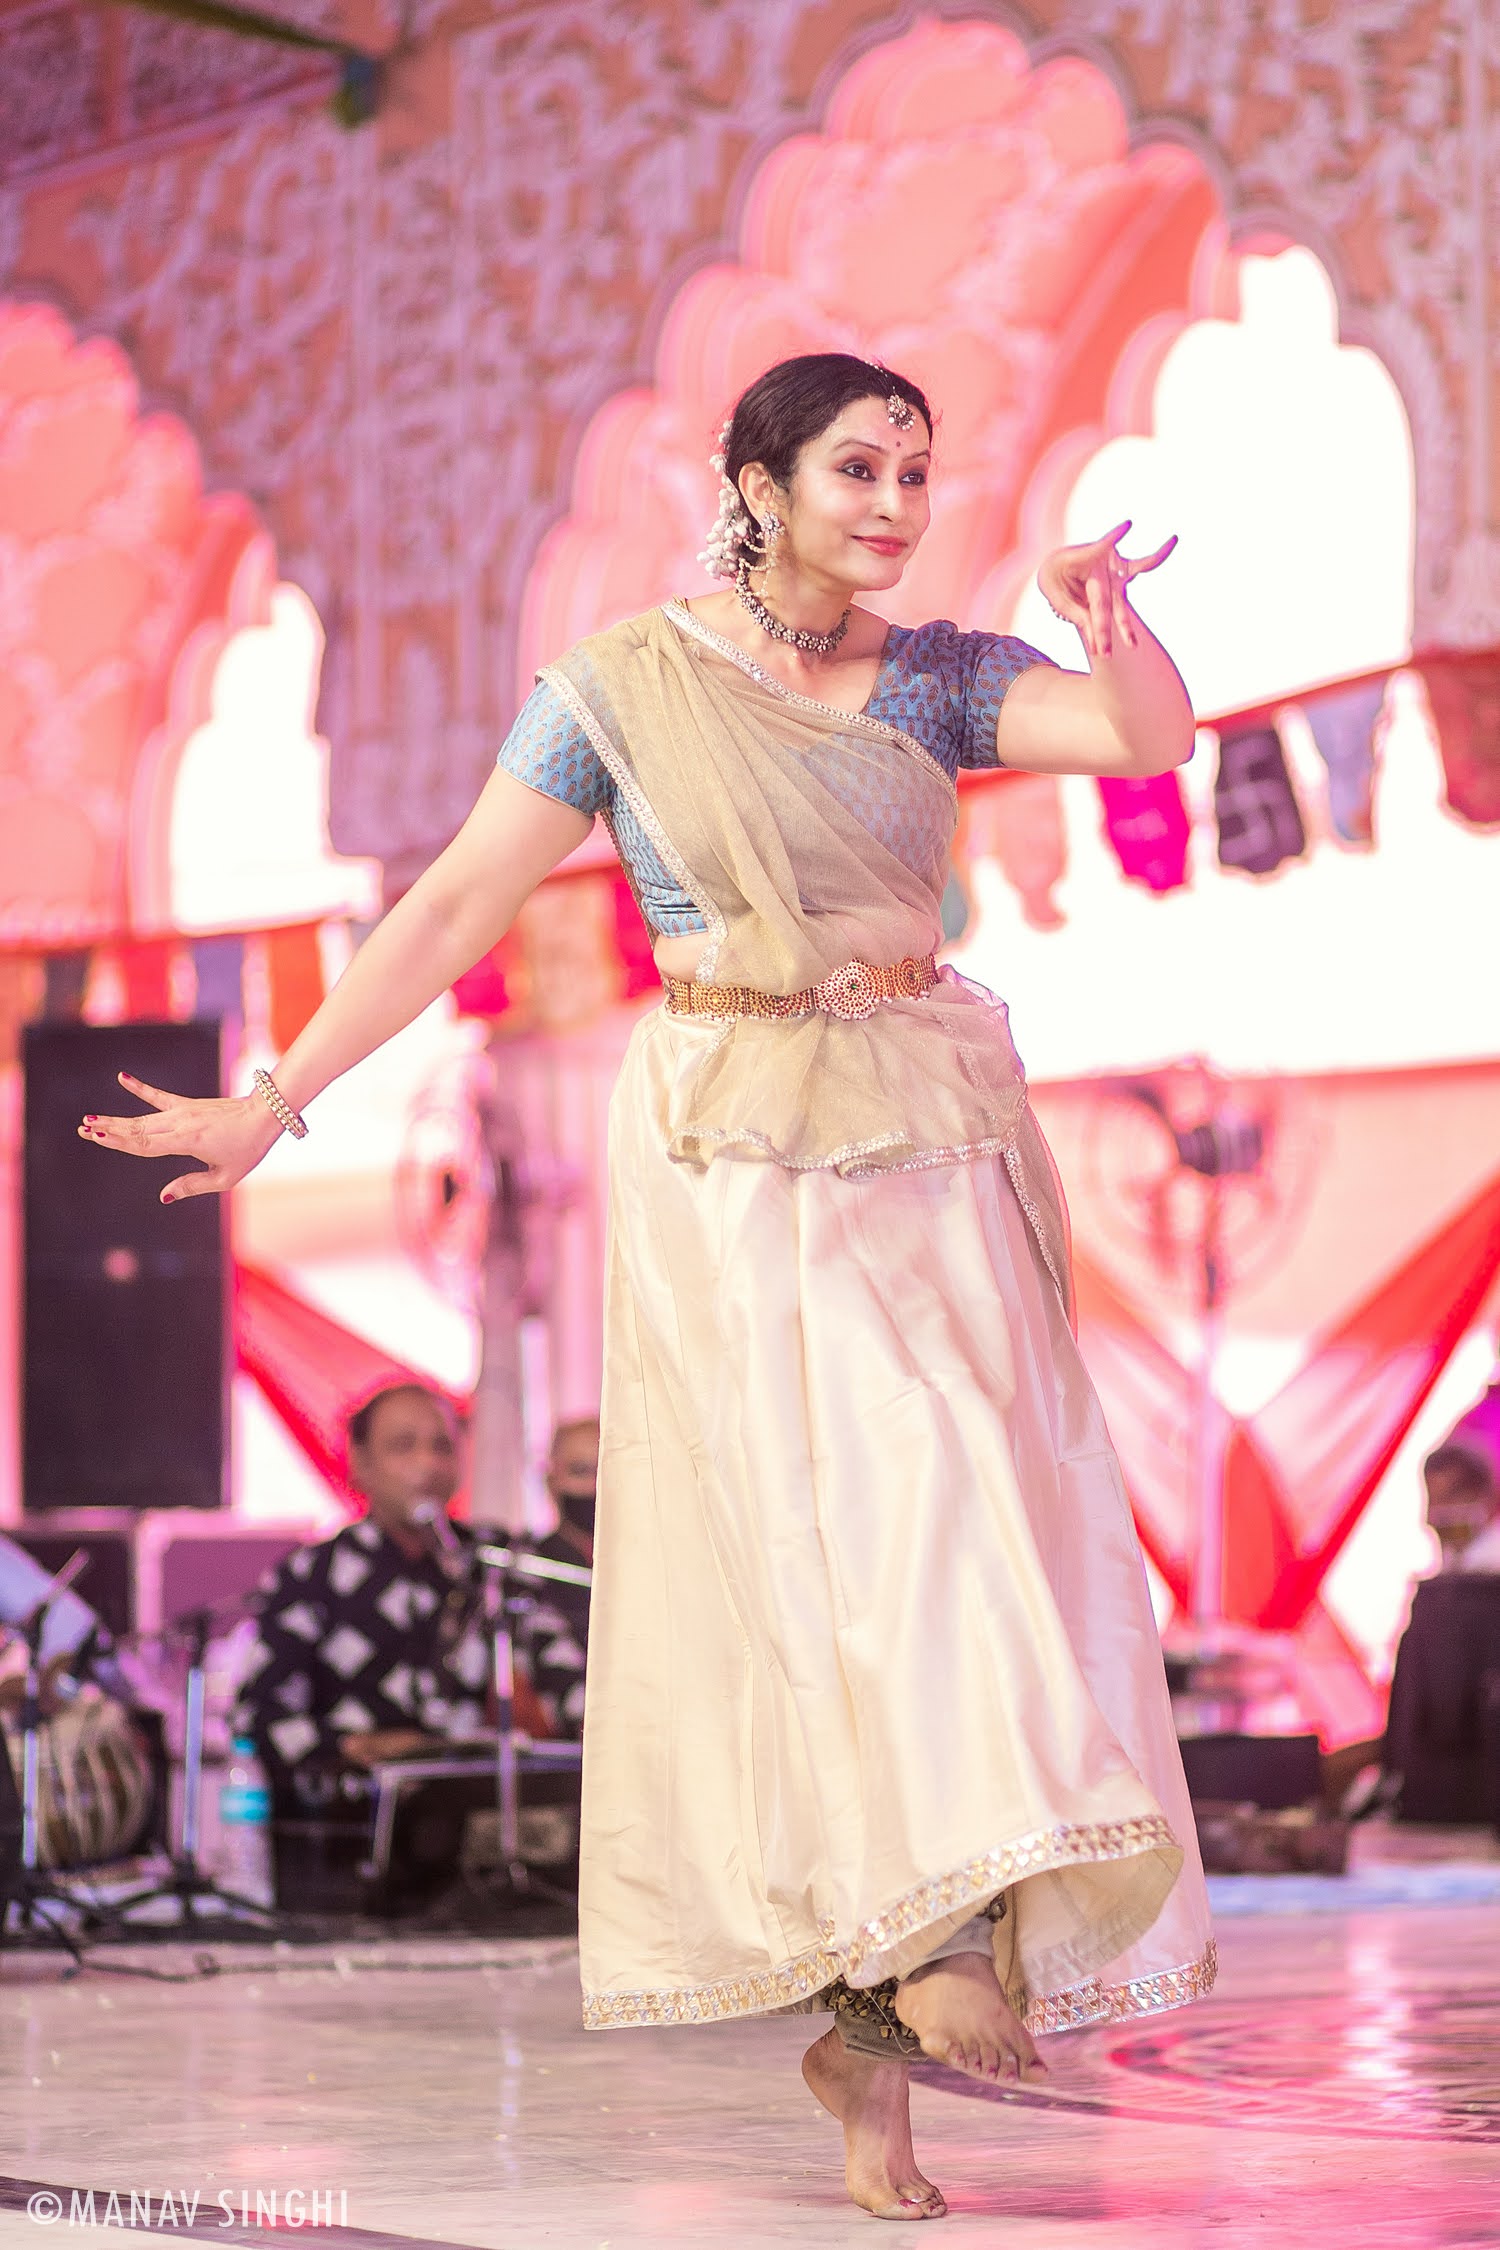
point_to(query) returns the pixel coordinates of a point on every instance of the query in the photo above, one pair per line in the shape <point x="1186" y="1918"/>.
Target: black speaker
<point x="1274" y="1771"/>
<point x="125" y="1326"/>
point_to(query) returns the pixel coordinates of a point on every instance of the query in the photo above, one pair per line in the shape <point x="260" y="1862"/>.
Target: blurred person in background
<point x="368" y="1645"/>
<point x="1463" y="1488"/>
<point x="555" y="1637"/>
<point x="1442" y="1662"/>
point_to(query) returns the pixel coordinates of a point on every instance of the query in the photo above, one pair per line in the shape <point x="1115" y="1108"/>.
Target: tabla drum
<point x="94" y="1793"/>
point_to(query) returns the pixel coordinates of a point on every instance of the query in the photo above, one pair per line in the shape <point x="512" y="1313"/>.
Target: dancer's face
<point x="856" y="508"/>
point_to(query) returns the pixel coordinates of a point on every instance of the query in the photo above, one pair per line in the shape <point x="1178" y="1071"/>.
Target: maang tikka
<point x="900" y="410"/>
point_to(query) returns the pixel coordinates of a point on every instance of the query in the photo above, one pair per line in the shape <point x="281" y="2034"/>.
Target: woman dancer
<point x="876" y="1714"/>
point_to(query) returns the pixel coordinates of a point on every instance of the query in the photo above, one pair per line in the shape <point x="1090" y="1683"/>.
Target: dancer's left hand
<point x="1085" y="587"/>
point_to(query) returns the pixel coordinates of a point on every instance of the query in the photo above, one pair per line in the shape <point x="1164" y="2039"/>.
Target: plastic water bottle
<point x="245" y="1825"/>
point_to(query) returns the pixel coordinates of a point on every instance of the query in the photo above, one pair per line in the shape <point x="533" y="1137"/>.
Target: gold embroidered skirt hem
<point x="803" y="1986"/>
<point x="1071" y="2010"/>
<point x="871" y="1637"/>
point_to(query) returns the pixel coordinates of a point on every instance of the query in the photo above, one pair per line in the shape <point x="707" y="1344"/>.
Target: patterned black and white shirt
<point x="553" y="1640"/>
<point x="356" y="1637"/>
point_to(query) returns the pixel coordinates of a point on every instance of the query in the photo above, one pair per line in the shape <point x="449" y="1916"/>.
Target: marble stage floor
<point x="1341" y="2089"/>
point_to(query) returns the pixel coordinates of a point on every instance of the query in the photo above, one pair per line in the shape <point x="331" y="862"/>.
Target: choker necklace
<point x="811" y="644"/>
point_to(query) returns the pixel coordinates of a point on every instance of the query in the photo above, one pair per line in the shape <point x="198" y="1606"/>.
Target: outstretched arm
<point x="462" y="905"/>
<point x="1129" y="714"/>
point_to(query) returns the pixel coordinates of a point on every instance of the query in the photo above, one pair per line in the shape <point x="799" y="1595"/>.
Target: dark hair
<point x="1471" y="1470"/>
<point x="573" y="1425"/>
<point x="361" y="1423"/>
<point x="796" y="401"/>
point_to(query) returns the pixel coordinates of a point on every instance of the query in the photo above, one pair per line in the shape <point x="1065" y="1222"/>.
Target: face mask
<point x="578" y="1510"/>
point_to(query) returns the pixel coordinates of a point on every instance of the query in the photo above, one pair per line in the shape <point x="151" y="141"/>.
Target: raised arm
<point x="462" y="905"/>
<point x="1129" y="714"/>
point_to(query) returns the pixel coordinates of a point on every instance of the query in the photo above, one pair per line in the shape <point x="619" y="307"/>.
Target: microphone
<point x="433" y="1517"/>
<point x="533" y="1566"/>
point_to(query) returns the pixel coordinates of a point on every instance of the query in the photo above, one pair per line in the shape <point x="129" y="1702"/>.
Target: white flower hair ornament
<point x="732" y="530"/>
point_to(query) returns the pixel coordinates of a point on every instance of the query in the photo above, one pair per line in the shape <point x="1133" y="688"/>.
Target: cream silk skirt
<point x="871" y="1639"/>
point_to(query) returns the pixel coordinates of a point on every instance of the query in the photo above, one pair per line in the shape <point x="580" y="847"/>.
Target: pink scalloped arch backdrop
<point x="983" y="225"/>
<point x="120" y="580"/>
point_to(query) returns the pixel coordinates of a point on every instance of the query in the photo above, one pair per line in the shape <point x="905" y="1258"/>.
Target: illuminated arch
<point x="981" y="223"/>
<point x="114" y="566"/>
<point x="240" y="813"/>
<point x="125" y="591"/>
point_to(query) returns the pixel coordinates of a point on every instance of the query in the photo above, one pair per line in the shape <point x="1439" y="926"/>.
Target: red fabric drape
<point x="1299" y="1474"/>
<point x="1330" y="1433"/>
<point x="294" y="970"/>
<point x="312" y="1370"/>
<point x="1147" y="1395"/>
<point x="146" y="970"/>
<point x="1150" y="1401"/>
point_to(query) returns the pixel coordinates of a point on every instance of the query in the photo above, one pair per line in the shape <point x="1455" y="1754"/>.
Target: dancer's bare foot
<point x="958" y="2011"/>
<point x="869" y="2100"/>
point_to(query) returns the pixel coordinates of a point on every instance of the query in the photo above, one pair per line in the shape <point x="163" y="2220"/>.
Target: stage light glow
<point x="1283" y="459"/>
<point x="249" y="821"/>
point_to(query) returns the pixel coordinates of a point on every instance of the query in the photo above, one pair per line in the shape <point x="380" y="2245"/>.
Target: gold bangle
<point x="290" y="1120"/>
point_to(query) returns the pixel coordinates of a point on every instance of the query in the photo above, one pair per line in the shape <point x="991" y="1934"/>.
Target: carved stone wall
<point x="393" y="339"/>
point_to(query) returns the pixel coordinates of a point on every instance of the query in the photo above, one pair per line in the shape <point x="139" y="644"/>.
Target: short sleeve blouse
<point x="940" y="685"/>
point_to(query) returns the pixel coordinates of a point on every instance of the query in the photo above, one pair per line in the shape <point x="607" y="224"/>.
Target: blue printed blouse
<point x="935" y="683"/>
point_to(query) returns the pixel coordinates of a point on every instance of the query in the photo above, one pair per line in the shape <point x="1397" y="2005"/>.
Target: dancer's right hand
<point x="228" y="1137"/>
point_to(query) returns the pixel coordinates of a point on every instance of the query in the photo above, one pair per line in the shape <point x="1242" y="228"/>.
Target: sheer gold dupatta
<point x="761" y="803"/>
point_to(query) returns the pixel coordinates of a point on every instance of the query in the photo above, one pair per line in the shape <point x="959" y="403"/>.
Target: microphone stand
<point x="188" y="1883"/>
<point x="503" y="1604"/>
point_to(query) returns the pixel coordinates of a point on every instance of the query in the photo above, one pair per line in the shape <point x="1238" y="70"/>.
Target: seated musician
<point x="1463" y="1489"/>
<point x="553" y="1641"/>
<point x="104" y="1763"/>
<point x="369" y="1645"/>
<point x="1440" y="1737"/>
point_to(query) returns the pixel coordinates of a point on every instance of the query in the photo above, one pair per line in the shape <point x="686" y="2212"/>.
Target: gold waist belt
<point x="850" y="993"/>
